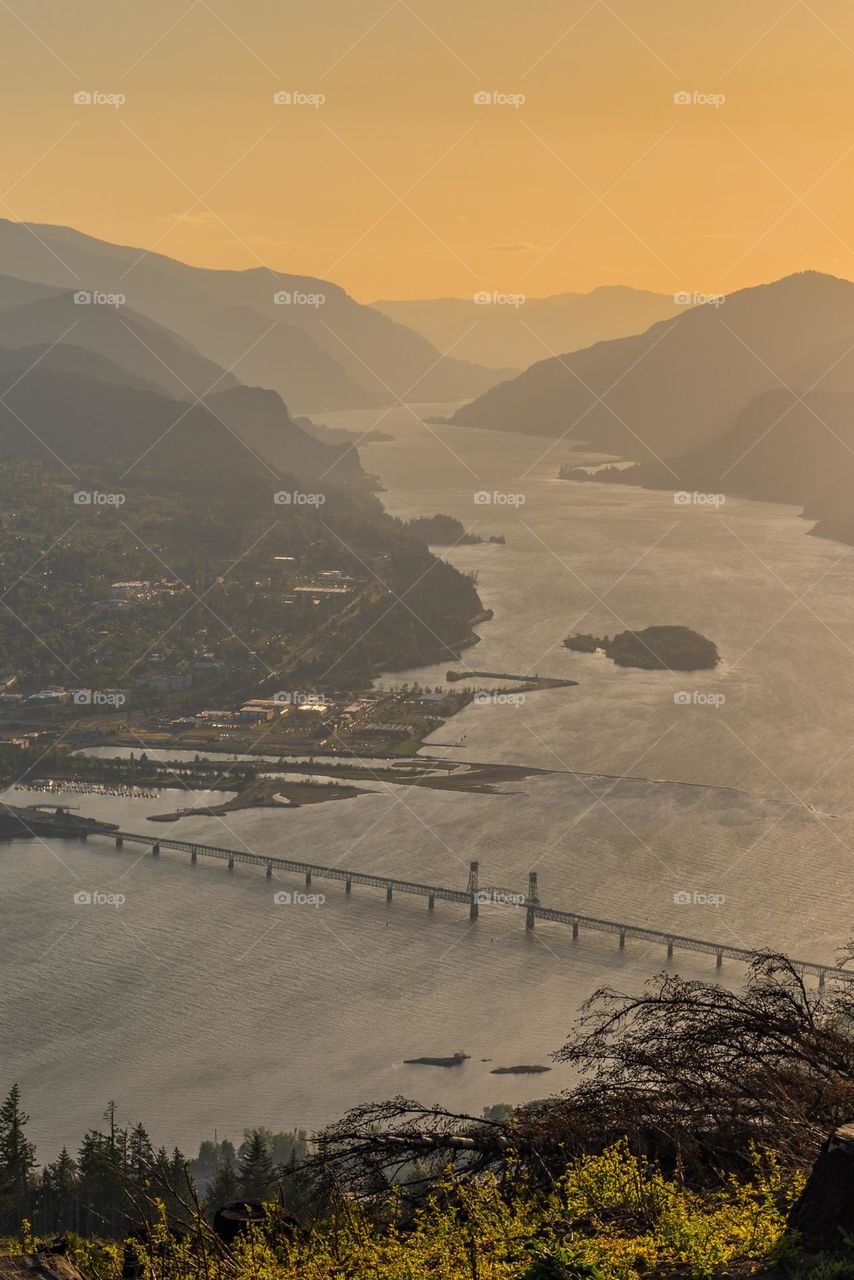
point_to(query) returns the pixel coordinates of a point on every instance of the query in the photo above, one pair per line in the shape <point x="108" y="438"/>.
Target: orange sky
<point x="400" y="184"/>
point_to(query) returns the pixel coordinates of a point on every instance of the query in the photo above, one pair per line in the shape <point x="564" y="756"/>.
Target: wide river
<point x="200" y="1004"/>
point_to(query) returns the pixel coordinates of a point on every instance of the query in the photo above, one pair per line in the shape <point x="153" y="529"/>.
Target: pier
<point x="474" y="896"/>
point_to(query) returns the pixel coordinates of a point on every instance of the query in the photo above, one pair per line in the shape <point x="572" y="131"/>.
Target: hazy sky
<point x="400" y="184"/>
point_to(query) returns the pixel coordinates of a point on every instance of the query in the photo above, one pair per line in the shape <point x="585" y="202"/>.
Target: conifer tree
<point x="257" y="1174"/>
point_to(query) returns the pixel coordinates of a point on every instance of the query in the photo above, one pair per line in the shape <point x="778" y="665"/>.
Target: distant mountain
<point x="146" y="350"/>
<point x="508" y="337"/>
<point x="262" y="421"/>
<point x="266" y="353"/>
<point x="683" y="383"/>
<point x="52" y="412"/>
<point x="781" y="448"/>
<point x="317" y="325"/>
<point x="64" y="357"/>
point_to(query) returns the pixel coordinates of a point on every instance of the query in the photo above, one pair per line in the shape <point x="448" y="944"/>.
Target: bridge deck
<point x="534" y="909"/>
<point x="314" y="869"/>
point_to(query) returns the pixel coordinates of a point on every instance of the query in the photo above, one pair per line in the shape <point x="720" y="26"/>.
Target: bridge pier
<point x="269" y="870"/>
<point x="669" y="950"/>
<point x="575" y="931"/>
<point x="308" y="877"/>
<point x="348" y="887"/>
<point x="231" y="862"/>
<point x="119" y="842"/>
<point x="719" y="960"/>
<point x="431" y="902"/>
<point x="194" y="857"/>
<point x="155" y="849"/>
<point x="388" y="892"/>
<point x="821" y="981"/>
<point x="533" y="900"/>
<point x="472" y="890"/>
<point x="622" y="939"/>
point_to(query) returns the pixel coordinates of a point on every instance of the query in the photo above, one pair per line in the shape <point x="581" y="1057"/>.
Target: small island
<point x="653" y="649"/>
<point x="455" y="1060"/>
<point x="521" y="1070"/>
<point x="445" y="531"/>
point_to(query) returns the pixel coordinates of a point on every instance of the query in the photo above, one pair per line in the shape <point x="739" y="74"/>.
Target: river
<point x="199" y="1003"/>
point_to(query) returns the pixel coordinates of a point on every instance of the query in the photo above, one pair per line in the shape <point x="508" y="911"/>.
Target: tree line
<point x="117" y="1168"/>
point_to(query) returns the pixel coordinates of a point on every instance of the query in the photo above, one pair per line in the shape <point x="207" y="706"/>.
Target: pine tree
<point x="255" y="1165"/>
<point x="140" y="1155"/>
<point x="224" y="1188"/>
<point x="17" y="1153"/>
<point x="59" y="1185"/>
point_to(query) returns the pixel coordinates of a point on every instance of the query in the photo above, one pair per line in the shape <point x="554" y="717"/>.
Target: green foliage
<point x="609" y="1217"/>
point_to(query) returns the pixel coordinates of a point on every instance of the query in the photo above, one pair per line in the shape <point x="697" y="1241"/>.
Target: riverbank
<point x="266" y="795"/>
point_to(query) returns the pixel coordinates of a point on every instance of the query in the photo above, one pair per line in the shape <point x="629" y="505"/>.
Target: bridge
<point x="474" y="896"/>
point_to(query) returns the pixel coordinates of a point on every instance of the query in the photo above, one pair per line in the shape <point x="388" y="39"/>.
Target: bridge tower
<point x="471" y="890"/>
<point x="533" y="900"/>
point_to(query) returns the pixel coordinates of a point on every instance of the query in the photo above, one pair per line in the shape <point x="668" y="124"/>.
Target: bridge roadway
<point x="472" y="896"/>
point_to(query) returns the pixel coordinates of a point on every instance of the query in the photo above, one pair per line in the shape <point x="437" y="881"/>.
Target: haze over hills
<point x="499" y="333"/>
<point x="145" y="349"/>
<point x="683" y="383"/>
<point x="329" y="351"/>
<point x="55" y="412"/>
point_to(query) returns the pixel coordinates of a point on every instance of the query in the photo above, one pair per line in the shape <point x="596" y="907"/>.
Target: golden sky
<point x="400" y="184"/>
